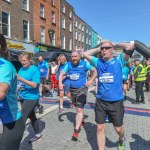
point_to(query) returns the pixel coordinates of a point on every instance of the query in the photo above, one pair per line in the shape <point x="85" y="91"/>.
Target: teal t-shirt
<point x="125" y="73"/>
<point x="88" y="67"/>
<point x="31" y="74"/>
<point x="9" y="110"/>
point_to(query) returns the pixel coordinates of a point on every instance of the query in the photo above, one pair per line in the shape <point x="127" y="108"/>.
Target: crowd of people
<point x="113" y="75"/>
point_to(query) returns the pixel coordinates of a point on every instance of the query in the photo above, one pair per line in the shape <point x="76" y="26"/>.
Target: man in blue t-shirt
<point x="62" y="62"/>
<point x="109" y="93"/>
<point x="77" y="72"/>
<point x="44" y="72"/>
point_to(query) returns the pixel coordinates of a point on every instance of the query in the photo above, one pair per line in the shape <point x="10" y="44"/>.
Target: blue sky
<point x="116" y="20"/>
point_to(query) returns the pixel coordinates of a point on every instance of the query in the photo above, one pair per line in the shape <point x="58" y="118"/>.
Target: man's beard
<point x="75" y="62"/>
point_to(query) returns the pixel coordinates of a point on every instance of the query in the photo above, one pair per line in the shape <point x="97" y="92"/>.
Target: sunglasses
<point x="107" y="47"/>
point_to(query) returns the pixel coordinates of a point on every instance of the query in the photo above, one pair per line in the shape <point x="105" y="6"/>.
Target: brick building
<point x="46" y="22"/>
<point x="16" y="21"/>
<point x="66" y="25"/>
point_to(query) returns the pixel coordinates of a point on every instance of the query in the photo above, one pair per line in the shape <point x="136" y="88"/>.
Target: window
<point x="53" y="2"/>
<point x="82" y="28"/>
<point x="86" y="40"/>
<point x="76" y="24"/>
<point x="76" y="47"/>
<point x="25" y="4"/>
<point x="7" y="0"/>
<point x="42" y="10"/>
<point x="63" y="23"/>
<point x="87" y="31"/>
<point x="53" y="17"/>
<point x="25" y="31"/>
<point x="82" y="38"/>
<point x="89" y="42"/>
<point x="76" y="35"/>
<point x="63" y="41"/>
<point x="70" y="14"/>
<point x="79" y="37"/>
<point x="53" y="39"/>
<point x="70" y="27"/>
<point x="6" y="23"/>
<point x="63" y="8"/>
<point x="79" y="26"/>
<point x="70" y="44"/>
<point x="42" y="38"/>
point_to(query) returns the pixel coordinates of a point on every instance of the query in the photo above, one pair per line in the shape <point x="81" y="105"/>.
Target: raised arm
<point x="88" y="54"/>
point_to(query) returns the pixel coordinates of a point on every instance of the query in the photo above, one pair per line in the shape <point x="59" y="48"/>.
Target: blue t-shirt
<point x="125" y="73"/>
<point x="9" y="110"/>
<point x="109" y="78"/>
<point x="77" y="73"/>
<point x="66" y="81"/>
<point x="31" y="74"/>
<point x="43" y="67"/>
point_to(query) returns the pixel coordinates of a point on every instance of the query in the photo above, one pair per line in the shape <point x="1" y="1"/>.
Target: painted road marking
<point x="128" y="110"/>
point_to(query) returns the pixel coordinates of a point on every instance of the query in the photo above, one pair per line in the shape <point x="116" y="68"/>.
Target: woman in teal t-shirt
<point x="29" y="79"/>
<point x="10" y="115"/>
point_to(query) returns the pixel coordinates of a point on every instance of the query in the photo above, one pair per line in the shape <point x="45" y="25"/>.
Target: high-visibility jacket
<point x="141" y="75"/>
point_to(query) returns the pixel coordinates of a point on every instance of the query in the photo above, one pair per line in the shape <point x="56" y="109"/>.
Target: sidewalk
<point x="57" y="129"/>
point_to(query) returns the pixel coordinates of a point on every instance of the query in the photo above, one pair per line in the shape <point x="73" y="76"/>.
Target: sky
<point x="116" y="20"/>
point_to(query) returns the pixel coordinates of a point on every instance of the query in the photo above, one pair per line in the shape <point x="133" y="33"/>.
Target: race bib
<point x="123" y="77"/>
<point x="106" y="78"/>
<point x="74" y="76"/>
<point x="41" y="70"/>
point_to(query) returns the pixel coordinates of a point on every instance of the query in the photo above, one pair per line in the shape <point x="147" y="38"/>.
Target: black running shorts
<point x="114" y="110"/>
<point x="78" y="96"/>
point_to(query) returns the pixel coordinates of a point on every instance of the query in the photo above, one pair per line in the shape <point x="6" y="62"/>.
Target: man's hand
<point x="88" y="83"/>
<point x="61" y="87"/>
<point x="18" y="77"/>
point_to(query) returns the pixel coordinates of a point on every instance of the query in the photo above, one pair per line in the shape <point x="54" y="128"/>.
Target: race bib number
<point x="41" y="70"/>
<point x="123" y="77"/>
<point x="74" y="76"/>
<point x="106" y="78"/>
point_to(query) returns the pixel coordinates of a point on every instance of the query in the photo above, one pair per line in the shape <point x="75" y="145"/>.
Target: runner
<point x="77" y="71"/>
<point x="10" y="114"/>
<point x="110" y="94"/>
<point x="44" y="73"/>
<point x="125" y="78"/>
<point x="29" y="76"/>
<point x="62" y="62"/>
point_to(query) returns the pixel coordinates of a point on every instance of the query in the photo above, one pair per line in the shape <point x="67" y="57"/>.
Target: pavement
<point x="57" y="129"/>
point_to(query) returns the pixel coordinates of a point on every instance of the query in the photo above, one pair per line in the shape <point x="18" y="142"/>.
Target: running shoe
<point x="142" y="101"/>
<point x="75" y="135"/>
<point x="121" y="145"/>
<point x="61" y="110"/>
<point x="35" y="139"/>
<point x="40" y="109"/>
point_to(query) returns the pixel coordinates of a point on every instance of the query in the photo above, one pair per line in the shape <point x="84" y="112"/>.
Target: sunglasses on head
<point x="107" y="47"/>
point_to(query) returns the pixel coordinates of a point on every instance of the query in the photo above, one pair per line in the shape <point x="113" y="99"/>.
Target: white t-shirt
<point x="53" y="68"/>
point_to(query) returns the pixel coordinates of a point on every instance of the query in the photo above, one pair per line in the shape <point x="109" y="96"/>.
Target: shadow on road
<point x="24" y="144"/>
<point x="90" y="130"/>
<point x="139" y="143"/>
<point x="70" y="116"/>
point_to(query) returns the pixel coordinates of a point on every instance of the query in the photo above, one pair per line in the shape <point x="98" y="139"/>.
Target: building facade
<point x="95" y="39"/>
<point x="17" y="20"/>
<point x="66" y="25"/>
<point x="88" y="37"/>
<point x="46" y="22"/>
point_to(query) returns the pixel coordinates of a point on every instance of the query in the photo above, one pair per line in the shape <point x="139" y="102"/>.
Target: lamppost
<point x="50" y="33"/>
